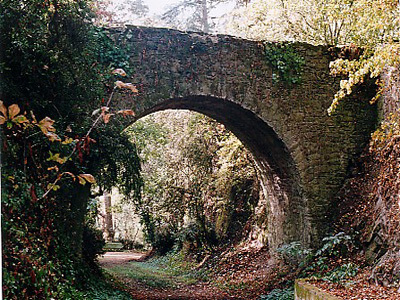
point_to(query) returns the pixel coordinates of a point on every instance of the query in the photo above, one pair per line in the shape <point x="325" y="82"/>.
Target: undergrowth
<point x="96" y="288"/>
<point x="332" y="262"/>
<point x="279" y="294"/>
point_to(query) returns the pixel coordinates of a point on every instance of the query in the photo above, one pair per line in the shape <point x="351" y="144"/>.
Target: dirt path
<point x="141" y="291"/>
<point x="110" y="259"/>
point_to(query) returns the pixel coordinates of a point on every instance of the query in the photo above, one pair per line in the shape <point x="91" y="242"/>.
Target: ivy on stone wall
<point x="287" y="64"/>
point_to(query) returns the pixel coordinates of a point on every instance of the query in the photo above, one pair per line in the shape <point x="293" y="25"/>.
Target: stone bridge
<point x="303" y="155"/>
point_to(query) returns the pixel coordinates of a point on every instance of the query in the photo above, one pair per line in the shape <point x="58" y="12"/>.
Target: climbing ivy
<point x="110" y="55"/>
<point x="287" y="64"/>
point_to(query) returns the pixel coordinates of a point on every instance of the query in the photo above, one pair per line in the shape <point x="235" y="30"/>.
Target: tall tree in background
<point x="328" y="22"/>
<point x="128" y="11"/>
<point x="193" y="15"/>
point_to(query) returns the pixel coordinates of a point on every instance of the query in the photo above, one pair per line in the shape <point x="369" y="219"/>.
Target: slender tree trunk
<point x="206" y="25"/>
<point x="109" y="230"/>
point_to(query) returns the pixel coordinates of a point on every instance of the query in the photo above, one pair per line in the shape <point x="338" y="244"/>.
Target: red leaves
<point x="33" y="276"/>
<point x="80" y="153"/>
<point x="86" y="144"/>
<point x="33" y="193"/>
<point x="84" y="148"/>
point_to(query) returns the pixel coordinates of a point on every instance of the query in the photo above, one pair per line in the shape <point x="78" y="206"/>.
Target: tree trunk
<point x="204" y="21"/>
<point x="109" y="230"/>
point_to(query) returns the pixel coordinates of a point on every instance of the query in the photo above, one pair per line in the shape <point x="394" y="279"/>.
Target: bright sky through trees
<point x="160" y="6"/>
<point x="157" y="6"/>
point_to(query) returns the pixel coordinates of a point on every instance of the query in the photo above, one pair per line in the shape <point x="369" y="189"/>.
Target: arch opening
<point x="278" y="176"/>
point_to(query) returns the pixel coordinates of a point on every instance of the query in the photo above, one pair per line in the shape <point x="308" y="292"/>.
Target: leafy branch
<point x="11" y="116"/>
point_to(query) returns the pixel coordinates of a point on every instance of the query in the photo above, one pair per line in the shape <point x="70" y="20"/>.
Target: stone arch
<point x="316" y="151"/>
<point x="278" y="174"/>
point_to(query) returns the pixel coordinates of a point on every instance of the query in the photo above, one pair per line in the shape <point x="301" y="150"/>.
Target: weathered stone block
<point x="306" y="291"/>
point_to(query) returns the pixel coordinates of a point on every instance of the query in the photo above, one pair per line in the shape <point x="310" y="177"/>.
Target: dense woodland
<point x="193" y="185"/>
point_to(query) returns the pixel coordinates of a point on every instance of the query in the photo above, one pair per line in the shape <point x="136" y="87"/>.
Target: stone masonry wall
<point x="303" y="154"/>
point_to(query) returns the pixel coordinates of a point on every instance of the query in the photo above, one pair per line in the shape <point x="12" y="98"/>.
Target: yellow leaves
<point x="46" y="126"/>
<point x="119" y="84"/>
<point x="83" y="178"/>
<point x="20" y="119"/>
<point x="389" y="130"/>
<point x="88" y="177"/>
<point x="3" y="111"/>
<point x="11" y="115"/>
<point x="56" y="157"/>
<point x="67" y="141"/>
<point x="33" y="118"/>
<point x="357" y="71"/>
<point x="53" y="168"/>
<point x="70" y="174"/>
<point x="129" y="86"/>
<point x="106" y="117"/>
<point x="53" y="137"/>
<point x="52" y="186"/>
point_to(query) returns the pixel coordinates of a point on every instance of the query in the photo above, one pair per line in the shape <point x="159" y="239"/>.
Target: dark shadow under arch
<point x="278" y="173"/>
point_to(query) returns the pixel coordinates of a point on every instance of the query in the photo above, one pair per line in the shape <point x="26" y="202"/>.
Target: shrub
<point x="195" y="236"/>
<point x="93" y="244"/>
<point x="164" y="239"/>
<point x="295" y="255"/>
<point x="342" y="272"/>
<point x="335" y="245"/>
<point x="279" y="294"/>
